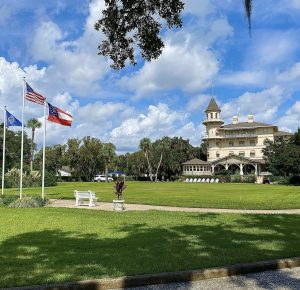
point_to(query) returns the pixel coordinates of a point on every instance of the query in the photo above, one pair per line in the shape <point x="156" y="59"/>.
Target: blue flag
<point x="12" y="120"/>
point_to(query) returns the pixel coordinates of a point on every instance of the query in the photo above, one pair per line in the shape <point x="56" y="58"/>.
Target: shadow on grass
<point x="51" y="256"/>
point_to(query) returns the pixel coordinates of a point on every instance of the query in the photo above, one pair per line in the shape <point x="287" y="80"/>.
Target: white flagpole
<point x="22" y="140"/>
<point x="44" y="152"/>
<point x="3" y="154"/>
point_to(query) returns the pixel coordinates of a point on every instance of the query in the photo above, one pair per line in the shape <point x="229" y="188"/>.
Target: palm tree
<point x="33" y="124"/>
<point x="145" y="145"/>
<point x="109" y="152"/>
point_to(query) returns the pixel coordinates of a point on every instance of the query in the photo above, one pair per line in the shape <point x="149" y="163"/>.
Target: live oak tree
<point x="13" y="149"/>
<point x="282" y="157"/>
<point x="131" y="24"/>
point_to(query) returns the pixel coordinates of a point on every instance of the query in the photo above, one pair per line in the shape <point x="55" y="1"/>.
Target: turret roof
<point x="212" y="106"/>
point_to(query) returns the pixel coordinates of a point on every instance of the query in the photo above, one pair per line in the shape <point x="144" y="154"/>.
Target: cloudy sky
<point x="55" y="43"/>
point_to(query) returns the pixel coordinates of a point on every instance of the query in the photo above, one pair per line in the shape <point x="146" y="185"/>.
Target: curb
<point x="170" y="277"/>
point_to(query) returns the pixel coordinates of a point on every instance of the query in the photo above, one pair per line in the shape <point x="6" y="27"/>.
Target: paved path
<point x="280" y="279"/>
<point x="108" y="206"/>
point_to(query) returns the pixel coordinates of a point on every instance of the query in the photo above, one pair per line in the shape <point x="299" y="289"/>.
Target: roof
<point x="196" y="161"/>
<point x="234" y="156"/>
<point x="212" y="106"/>
<point x="245" y="125"/>
<point x="66" y="169"/>
<point x="282" y="133"/>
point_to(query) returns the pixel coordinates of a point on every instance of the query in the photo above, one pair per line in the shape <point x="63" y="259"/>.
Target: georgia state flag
<point x="58" y="116"/>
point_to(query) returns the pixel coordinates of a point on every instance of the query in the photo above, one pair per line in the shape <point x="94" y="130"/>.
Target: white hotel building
<point x="236" y="147"/>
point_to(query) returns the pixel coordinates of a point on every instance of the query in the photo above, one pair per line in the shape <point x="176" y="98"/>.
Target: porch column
<point x="256" y="171"/>
<point x="241" y="169"/>
<point x="226" y="166"/>
<point x="213" y="169"/>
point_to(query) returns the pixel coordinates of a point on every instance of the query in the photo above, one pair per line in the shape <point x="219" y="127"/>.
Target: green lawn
<point x="48" y="245"/>
<point x="243" y="196"/>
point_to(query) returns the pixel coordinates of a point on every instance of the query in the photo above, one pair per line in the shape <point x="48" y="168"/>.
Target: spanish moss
<point x="248" y="9"/>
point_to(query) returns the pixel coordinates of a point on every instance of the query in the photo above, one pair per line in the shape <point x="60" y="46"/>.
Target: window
<point x="252" y="153"/>
<point x="242" y="153"/>
<point x="194" y="168"/>
<point x="191" y="168"/>
<point x="241" y="143"/>
<point x="265" y="141"/>
<point x="211" y="115"/>
<point x="231" y="153"/>
<point x="252" y="142"/>
<point x="266" y="131"/>
<point x="207" y="154"/>
<point x="231" y="144"/>
<point x="216" y="114"/>
<point x="218" y="144"/>
<point x="197" y="168"/>
<point x="201" y="168"/>
<point x="218" y="154"/>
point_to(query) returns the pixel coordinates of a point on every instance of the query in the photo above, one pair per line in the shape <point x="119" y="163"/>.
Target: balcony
<point x="239" y="136"/>
<point x="205" y="137"/>
<point x="212" y="121"/>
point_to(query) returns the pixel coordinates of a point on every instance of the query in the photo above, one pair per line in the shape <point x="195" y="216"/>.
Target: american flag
<point x="33" y="96"/>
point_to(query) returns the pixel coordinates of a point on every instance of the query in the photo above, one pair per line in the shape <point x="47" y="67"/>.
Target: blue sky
<point x="55" y="43"/>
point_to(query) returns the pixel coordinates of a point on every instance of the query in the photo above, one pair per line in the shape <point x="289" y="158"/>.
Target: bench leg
<point x="91" y="203"/>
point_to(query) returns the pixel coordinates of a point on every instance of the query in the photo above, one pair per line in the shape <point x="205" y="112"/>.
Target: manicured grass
<point x="243" y="196"/>
<point x="49" y="245"/>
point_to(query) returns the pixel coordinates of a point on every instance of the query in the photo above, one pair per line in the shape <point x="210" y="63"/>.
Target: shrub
<point x="25" y="202"/>
<point x="40" y="201"/>
<point x="12" y="178"/>
<point x="129" y="178"/>
<point x="283" y="180"/>
<point x="8" y="199"/>
<point x="235" y="178"/>
<point x="50" y="179"/>
<point x="249" y="179"/>
<point x="295" y="180"/>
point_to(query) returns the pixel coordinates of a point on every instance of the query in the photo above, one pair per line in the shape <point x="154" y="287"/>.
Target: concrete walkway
<point x="108" y="206"/>
<point x="280" y="279"/>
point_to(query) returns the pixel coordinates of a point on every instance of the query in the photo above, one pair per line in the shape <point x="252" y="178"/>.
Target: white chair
<point x="187" y="180"/>
<point x="199" y="180"/>
<point x="195" y="180"/>
<point x="217" y="180"/>
<point x="191" y="179"/>
<point x="207" y="180"/>
<point x="212" y="180"/>
<point x="203" y="180"/>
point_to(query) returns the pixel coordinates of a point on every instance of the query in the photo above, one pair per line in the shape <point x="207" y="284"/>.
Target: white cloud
<point x="244" y="78"/>
<point x="187" y="62"/>
<point x="263" y="105"/>
<point x="74" y="65"/>
<point x="270" y="48"/>
<point x="198" y="103"/>
<point x="158" y="122"/>
<point x="11" y="86"/>
<point x="291" y="119"/>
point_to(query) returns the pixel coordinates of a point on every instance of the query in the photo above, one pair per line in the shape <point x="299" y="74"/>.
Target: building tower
<point x="212" y="122"/>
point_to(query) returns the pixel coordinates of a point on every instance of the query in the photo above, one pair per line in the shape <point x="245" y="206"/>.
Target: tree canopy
<point x="131" y="24"/>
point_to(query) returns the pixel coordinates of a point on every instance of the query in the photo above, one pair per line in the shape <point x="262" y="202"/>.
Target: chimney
<point x="250" y="119"/>
<point x="235" y="119"/>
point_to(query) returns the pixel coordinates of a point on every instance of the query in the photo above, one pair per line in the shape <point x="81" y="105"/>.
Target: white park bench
<point x="85" y="195"/>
